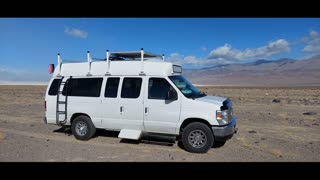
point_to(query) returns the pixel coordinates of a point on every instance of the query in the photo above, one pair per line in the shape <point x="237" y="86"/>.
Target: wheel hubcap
<point x="197" y="138"/>
<point x="81" y="128"/>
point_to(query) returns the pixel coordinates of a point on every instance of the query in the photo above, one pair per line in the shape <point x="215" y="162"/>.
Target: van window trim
<point x="105" y="87"/>
<point x="59" y="84"/>
<point x="73" y="78"/>
<point x="148" y="97"/>
<point x="131" y="77"/>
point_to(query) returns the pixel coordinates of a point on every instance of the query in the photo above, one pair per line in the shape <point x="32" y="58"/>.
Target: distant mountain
<point x="261" y="61"/>
<point x="286" y="72"/>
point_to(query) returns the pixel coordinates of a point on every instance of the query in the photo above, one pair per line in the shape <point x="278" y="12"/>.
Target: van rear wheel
<point x="82" y="128"/>
<point x="197" y="138"/>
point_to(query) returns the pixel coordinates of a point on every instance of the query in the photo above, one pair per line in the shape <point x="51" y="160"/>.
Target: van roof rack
<point x="114" y="56"/>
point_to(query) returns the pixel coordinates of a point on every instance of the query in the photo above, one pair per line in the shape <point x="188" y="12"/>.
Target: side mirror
<point x="172" y="95"/>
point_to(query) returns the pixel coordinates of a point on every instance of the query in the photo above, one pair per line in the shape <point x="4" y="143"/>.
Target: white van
<point x="136" y="93"/>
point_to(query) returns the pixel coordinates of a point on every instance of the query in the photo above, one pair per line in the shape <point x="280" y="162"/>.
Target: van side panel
<point x="51" y="101"/>
<point x="110" y="107"/>
<point x="87" y="105"/>
<point x="130" y="106"/>
<point x="75" y="104"/>
<point x="195" y="109"/>
<point x="85" y="97"/>
<point x="160" y="115"/>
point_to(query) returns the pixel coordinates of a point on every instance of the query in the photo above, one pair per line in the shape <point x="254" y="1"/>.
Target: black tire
<point x="191" y="134"/>
<point x="218" y="144"/>
<point x="83" y="128"/>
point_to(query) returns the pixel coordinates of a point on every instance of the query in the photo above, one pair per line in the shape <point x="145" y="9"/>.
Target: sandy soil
<point x="267" y="131"/>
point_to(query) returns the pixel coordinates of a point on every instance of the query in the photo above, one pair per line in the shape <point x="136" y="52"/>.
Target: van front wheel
<point x="197" y="138"/>
<point x="82" y="128"/>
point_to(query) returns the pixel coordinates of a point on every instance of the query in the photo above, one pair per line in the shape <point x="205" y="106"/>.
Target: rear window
<point x="54" y="87"/>
<point x="88" y="87"/>
<point x="112" y="87"/>
<point x="131" y="87"/>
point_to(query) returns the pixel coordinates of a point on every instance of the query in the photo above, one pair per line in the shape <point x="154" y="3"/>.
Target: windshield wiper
<point x="202" y="94"/>
<point x="194" y="96"/>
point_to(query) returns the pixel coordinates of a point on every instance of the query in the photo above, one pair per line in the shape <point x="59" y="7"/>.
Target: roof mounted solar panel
<point x="134" y="54"/>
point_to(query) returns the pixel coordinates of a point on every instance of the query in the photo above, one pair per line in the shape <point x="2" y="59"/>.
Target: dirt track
<point x="267" y="131"/>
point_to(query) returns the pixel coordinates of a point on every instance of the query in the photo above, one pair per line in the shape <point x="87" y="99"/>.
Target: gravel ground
<point x="267" y="131"/>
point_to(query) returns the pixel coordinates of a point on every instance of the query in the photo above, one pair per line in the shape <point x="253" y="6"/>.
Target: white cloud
<point x="191" y="60"/>
<point x="228" y="53"/>
<point x="196" y="61"/>
<point x="175" y="55"/>
<point x="4" y="69"/>
<point x="175" y="58"/>
<point x="180" y="59"/>
<point x="76" y="32"/>
<point x="313" y="43"/>
<point x="313" y="33"/>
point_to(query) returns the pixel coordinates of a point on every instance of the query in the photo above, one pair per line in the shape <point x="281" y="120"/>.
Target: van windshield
<point x="187" y="89"/>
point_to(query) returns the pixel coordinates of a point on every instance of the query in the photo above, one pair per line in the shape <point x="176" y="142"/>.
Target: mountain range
<point x="281" y="72"/>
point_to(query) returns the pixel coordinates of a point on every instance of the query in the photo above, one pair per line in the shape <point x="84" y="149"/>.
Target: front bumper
<point x="223" y="133"/>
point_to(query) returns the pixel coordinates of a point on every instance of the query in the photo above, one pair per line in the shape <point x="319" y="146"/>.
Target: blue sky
<point x="28" y="45"/>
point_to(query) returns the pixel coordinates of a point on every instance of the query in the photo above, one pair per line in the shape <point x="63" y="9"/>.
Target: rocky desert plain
<point x="275" y="124"/>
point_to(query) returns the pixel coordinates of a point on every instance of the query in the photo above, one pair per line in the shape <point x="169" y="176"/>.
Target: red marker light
<point x="51" y="68"/>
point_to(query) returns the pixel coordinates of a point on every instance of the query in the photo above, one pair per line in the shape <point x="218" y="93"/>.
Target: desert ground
<point x="268" y="131"/>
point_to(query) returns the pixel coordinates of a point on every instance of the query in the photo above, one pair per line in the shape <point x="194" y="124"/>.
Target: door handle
<point x="121" y="108"/>
<point x="146" y="110"/>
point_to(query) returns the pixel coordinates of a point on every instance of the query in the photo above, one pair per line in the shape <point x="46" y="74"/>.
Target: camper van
<point x="136" y="93"/>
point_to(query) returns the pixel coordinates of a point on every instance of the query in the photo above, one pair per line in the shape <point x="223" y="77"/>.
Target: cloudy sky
<point x="28" y="45"/>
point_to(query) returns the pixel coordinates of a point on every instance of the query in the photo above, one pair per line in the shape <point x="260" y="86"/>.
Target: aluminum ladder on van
<point x="62" y="102"/>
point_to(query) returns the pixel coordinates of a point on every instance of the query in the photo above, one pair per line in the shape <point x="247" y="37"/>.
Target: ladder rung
<point x="61" y="112"/>
<point x="61" y="102"/>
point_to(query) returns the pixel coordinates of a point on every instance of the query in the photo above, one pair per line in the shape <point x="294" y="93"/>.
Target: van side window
<point x="112" y="87"/>
<point x="158" y="88"/>
<point x="54" y="87"/>
<point x="131" y="87"/>
<point x="88" y="87"/>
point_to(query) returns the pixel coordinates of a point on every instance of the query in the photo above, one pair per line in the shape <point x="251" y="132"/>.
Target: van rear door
<point x="51" y="100"/>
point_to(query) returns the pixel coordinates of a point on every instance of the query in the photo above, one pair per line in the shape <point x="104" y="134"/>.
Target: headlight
<point x="222" y="117"/>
